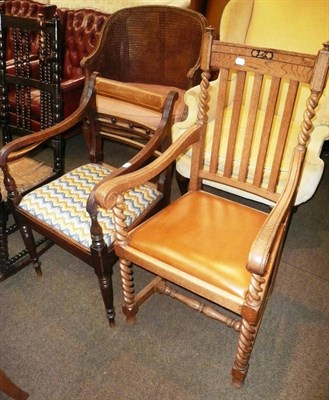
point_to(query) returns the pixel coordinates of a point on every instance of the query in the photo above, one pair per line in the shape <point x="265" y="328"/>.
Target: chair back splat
<point x="245" y="25"/>
<point x="219" y="248"/>
<point x="250" y="136"/>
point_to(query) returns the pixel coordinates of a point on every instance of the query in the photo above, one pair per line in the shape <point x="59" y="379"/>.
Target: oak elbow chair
<point x="65" y="209"/>
<point x="303" y="25"/>
<point x="219" y="249"/>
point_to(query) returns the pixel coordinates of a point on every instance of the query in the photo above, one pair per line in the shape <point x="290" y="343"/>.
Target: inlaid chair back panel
<point x="247" y="144"/>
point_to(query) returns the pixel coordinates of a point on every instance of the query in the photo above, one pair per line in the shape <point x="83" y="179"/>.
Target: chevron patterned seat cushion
<point x="61" y="203"/>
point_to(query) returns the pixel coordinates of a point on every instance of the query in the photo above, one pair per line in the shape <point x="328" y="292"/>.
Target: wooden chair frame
<point x="153" y="253"/>
<point x="100" y="256"/>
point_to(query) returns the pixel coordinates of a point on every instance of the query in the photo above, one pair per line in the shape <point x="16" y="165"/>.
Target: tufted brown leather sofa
<point x="81" y="31"/>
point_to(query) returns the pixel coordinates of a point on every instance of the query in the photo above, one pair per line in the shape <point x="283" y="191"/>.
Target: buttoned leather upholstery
<point x="81" y="31"/>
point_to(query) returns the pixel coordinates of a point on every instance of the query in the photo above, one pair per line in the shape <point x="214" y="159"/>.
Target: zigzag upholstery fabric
<point x="62" y="203"/>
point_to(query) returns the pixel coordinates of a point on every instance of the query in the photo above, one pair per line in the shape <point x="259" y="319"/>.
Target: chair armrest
<point x="266" y="239"/>
<point x="154" y="143"/>
<point x="107" y="191"/>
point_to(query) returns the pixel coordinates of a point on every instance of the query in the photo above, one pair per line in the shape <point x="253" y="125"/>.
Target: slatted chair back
<point x="258" y="92"/>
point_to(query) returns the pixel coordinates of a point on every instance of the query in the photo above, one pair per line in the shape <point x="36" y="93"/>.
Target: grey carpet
<point x="56" y="343"/>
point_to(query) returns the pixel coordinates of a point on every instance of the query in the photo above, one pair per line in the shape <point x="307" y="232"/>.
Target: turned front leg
<point x="129" y="306"/>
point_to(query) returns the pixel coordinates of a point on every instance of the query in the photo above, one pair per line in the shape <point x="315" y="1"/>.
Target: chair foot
<point x="38" y="271"/>
<point x="111" y="317"/>
<point x="130" y="313"/>
<point x="238" y="377"/>
<point x="112" y="324"/>
<point x="131" y="320"/>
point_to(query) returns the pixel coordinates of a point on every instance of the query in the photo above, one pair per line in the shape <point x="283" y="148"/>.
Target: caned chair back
<point x="152" y="45"/>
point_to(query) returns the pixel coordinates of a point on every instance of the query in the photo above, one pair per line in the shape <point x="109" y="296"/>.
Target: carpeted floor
<point x="56" y="344"/>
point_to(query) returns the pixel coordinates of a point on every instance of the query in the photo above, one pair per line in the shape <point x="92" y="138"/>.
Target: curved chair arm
<point x="266" y="239"/>
<point x="154" y="143"/>
<point x="23" y="145"/>
<point x="108" y="190"/>
<point x="149" y="150"/>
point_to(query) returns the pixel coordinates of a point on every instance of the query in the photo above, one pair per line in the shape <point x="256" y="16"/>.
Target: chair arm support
<point x="265" y="241"/>
<point x="154" y="143"/>
<point x="23" y="145"/>
<point x="108" y="190"/>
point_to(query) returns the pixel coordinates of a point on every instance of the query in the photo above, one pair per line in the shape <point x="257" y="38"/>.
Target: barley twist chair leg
<point x="245" y="345"/>
<point x="129" y="306"/>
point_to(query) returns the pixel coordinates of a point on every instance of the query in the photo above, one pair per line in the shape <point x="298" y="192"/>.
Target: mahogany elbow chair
<point x="224" y="251"/>
<point x="65" y="209"/>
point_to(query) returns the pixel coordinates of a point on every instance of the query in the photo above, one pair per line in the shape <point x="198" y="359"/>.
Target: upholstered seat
<point x="221" y="269"/>
<point x="62" y="204"/>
